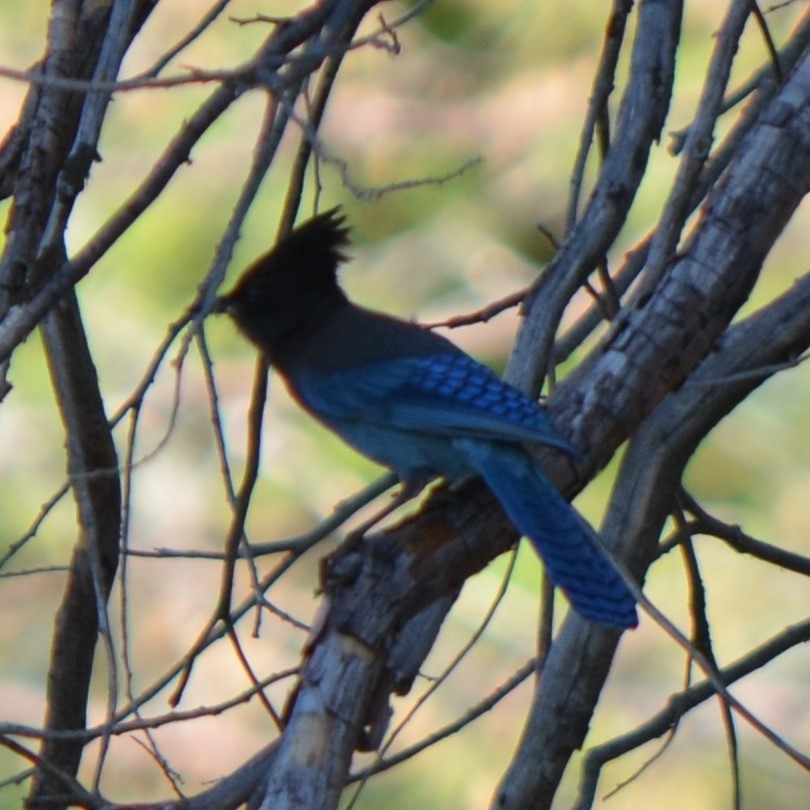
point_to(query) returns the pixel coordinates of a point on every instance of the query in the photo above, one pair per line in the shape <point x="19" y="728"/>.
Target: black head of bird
<point x="284" y="293"/>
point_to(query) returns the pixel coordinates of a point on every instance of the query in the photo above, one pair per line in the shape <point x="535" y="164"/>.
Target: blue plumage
<point x="413" y="401"/>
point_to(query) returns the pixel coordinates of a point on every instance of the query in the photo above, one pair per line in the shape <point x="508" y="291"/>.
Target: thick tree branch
<point x="54" y="163"/>
<point x="378" y="584"/>
<point x="663" y="334"/>
<point x="642" y="498"/>
<point x="643" y="110"/>
<point x="672" y="365"/>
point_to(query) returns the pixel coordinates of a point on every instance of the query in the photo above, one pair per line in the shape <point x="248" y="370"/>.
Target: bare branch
<point x="680" y="704"/>
<point x="643" y="110"/>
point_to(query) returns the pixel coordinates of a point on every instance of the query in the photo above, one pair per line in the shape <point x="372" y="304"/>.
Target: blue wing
<point x="449" y="395"/>
<point x="448" y="413"/>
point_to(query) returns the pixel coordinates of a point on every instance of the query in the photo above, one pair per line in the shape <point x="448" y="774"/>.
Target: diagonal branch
<point x="679" y="704"/>
<point x="374" y="587"/>
<point x="53" y="166"/>
<point x="643" y="110"/>
<point x="648" y="482"/>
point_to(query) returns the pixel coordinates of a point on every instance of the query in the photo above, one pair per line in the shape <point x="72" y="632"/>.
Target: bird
<point x="411" y="400"/>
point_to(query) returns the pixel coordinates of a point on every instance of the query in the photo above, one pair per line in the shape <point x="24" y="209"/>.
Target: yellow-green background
<point x="508" y="81"/>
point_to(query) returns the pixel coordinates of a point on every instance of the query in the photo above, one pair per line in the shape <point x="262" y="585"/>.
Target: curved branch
<point x="681" y="703"/>
<point x="376" y="585"/>
<point x="18" y="323"/>
<point x="645" y="489"/>
<point x="663" y="334"/>
<point x="643" y="110"/>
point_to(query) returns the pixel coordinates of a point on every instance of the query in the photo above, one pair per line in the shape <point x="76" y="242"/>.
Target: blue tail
<point x="561" y="537"/>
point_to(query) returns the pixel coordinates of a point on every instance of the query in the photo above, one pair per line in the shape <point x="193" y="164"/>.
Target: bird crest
<point x="285" y="290"/>
<point x="312" y="249"/>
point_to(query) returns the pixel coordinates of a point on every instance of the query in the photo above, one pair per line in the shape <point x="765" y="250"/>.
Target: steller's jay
<point x="413" y="401"/>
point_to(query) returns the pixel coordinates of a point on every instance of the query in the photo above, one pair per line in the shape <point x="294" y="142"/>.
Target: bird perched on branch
<point x="414" y="402"/>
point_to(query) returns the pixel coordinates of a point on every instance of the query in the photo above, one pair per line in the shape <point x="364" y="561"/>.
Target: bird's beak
<point x="222" y="304"/>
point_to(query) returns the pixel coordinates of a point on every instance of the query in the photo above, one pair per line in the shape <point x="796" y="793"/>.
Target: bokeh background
<point x="507" y="82"/>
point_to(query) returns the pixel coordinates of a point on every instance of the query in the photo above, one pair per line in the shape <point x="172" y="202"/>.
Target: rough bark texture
<point x="673" y="363"/>
<point x="50" y="155"/>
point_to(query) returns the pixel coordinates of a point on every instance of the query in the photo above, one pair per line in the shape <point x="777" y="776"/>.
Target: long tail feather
<point x="562" y="538"/>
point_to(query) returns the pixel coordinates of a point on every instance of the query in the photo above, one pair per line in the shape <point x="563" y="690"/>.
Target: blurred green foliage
<point x="508" y="82"/>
